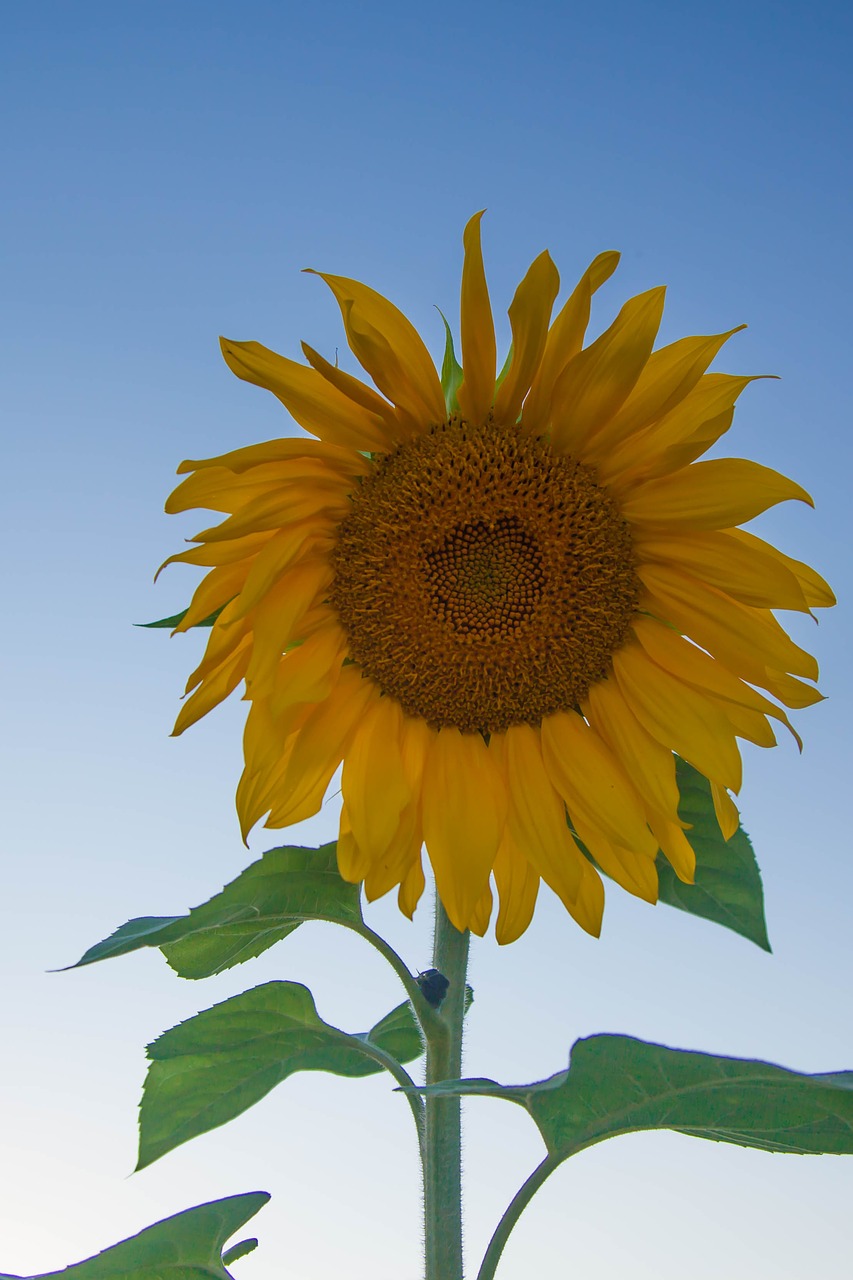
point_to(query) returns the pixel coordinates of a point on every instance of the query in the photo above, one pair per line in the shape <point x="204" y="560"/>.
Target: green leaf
<point x="451" y="370"/>
<point x="616" y="1084"/>
<point x="728" y="887"/>
<point x="187" y="1246"/>
<point x="172" y="622"/>
<point x="266" y="902"/>
<point x="398" y="1034"/>
<point x="142" y="931"/>
<point x="216" y="1065"/>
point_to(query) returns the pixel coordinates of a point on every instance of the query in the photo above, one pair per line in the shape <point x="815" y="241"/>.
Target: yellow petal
<point x="747" y="724"/>
<point x="392" y="862"/>
<point x="518" y="888"/>
<point x="280" y="554"/>
<point x="667" y="379"/>
<point x="482" y="913"/>
<point x="817" y="592"/>
<point x="597" y="792"/>
<point x="529" y="316"/>
<point x="285" y="506"/>
<point x="794" y="693"/>
<point x="219" y="553"/>
<point x="565" y="340"/>
<point x="598" y="381"/>
<point x="267" y="748"/>
<point x="680" y="717"/>
<point x="308" y="672"/>
<point x="264" y="739"/>
<point x="357" y="391"/>
<point x="253" y="800"/>
<point x="320" y="747"/>
<point x="588" y="907"/>
<point x="646" y="454"/>
<point x="464" y="810"/>
<point x="349" y="461"/>
<point x="742" y="571"/>
<point x="393" y="865"/>
<point x="726" y="811"/>
<point x="747" y="640"/>
<point x="217" y="489"/>
<point x="710" y="495"/>
<point x="215" y="689"/>
<point x="267" y="756"/>
<point x="675" y="846"/>
<point x="373" y="783"/>
<point x="479" y="355"/>
<point x="216" y="589"/>
<point x="537" y="816"/>
<point x="278" y="615"/>
<point x="225" y="636"/>
<point x="316" y="405"/>
<point x="695" y="667"/>
<point x="353" y="863"/>
<point x="416" y="737"/>
<point x="650" y="766"/>
<point x="389" y="347"/>
<point x="678" y="456"/>
<point x="635" y="872"/>
<point x="411" y="888"/>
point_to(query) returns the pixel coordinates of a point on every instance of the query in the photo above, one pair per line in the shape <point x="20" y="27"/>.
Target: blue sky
<point x="169" y="169"/>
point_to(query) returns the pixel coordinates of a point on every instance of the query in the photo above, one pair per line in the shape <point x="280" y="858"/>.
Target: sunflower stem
<point x="443" y="1145"/>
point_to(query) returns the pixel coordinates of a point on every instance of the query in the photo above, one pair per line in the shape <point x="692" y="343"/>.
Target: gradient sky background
<point x="169" y="169"/>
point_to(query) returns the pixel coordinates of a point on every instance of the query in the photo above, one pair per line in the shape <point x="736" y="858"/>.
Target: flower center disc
<point x="481" y="580"/>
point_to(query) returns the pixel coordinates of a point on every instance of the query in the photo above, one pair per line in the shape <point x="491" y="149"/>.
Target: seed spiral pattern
<point x="482" y="580"/>
<point x="486" y="579"/>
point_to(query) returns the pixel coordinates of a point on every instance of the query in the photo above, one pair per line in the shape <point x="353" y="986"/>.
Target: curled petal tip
<point x="473" y="222"/>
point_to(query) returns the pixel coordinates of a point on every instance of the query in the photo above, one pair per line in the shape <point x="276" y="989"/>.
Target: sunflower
<point x="503" y="605"/>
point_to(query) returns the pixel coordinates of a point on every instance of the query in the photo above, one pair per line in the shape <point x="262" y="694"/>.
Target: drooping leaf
<point x="266" y="902"/>
<point x="616" y="1084"/>
<point x="187" y="1246"/>
<point x="211" y="1068"/>
<point x="451" y="370"/>
<point x="172" y="622"/>
<point x="727" y="889"/>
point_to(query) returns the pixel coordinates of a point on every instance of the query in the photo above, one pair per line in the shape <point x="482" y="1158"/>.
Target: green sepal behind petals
<point x="187" y="1246"/>
<point x="451" y="370"/>
<point x="171" y="623"/>
<point x="617" y="1084"/>
<point x="214" y="1066"/>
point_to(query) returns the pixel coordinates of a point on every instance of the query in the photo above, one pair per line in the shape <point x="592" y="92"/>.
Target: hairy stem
<point x="443" y="1163"/>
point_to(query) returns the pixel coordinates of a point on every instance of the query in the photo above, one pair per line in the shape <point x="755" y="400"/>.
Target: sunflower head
<point x="503" y="603"/>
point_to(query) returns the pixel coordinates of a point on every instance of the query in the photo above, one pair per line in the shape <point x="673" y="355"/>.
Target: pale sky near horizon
<point x="169" y="170"/>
